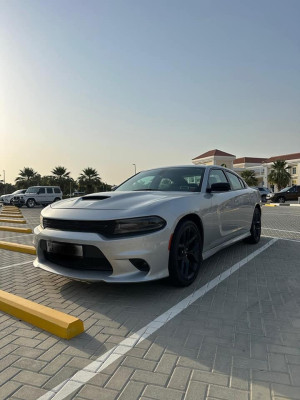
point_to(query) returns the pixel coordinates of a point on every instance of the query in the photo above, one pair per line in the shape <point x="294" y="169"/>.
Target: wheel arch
<point x="197" y="220"/>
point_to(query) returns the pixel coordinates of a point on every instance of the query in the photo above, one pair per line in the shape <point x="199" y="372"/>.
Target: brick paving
<point x="239" y="341"/>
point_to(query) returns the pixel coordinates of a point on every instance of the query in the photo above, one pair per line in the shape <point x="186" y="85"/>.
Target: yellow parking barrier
<point x="20" y="248"/>
<point x="53" y="321"/>
<point x="13" y="221"/>
<point x="14" y="229"/>
<point x="3" y="215"/>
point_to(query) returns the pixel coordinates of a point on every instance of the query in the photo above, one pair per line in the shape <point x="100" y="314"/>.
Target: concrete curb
<point x="14" y="229"/>
<point x="20" y="248"/>
<point x="46" y="318"/>
<point x="4" y="215"/>
<point x="13" y="221"/>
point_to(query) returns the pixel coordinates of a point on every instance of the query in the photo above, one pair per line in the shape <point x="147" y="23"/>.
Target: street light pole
<point x="134" y="169"/>
<point x="4" y="181"/>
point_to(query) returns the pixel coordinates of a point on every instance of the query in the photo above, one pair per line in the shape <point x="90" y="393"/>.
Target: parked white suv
<point x="7" y="198"/>
<point x="38" y="195"/>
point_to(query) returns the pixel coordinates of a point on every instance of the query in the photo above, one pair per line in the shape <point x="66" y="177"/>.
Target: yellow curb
<point x="20" y="248"/>
<point x="11" y="215"/>
<point x="53" y="321"/>
<point x="13" y="221"/>
<point x="270" y="205"/>
<point x="14" y="229"/>
<point x="11" y="212"/>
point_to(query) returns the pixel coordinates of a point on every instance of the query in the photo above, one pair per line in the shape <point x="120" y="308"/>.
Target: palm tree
<point x="279" y="175"/>
<point x="27" y="177"/>
<point x="249" y="177"/>
<point x="89" y="179"/>
<point x="60" y="172"/>
<point x="61" y="177"/>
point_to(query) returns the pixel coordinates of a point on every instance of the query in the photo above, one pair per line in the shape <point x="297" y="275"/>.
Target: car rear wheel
<point x="255" y="228"/>
<point x="11" y="202"/>
<point x="56" y="199"/>
<point x="30" y="203"/>
<point x="281" y="200"/>
<point x="185" y="254"/>
<point x="264" y="198"/>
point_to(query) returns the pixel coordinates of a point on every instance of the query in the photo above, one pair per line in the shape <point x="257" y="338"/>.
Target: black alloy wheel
<point x="30" y="203"/>
<point x="185" y="254"/>
<point x="281" y="200"/>
<point x="255" y="228"/>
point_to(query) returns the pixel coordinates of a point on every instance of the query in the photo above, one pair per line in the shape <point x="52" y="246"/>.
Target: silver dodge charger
<point x="159" y="223"/>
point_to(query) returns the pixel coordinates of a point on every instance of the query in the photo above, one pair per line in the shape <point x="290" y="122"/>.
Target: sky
<point x="111" y="83"/>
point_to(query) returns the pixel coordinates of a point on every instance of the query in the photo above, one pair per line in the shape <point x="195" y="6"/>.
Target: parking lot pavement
<point x="238" y="338"/>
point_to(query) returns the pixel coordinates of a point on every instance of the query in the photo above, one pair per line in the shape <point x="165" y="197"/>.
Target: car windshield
<point x="285" y="189"/>
<point x="32" y="190"/>
<point x="184" y="179"/>
<point x="18" y="191"/>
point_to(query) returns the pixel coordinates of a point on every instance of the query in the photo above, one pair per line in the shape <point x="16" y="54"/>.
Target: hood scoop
<point x="95" y="197"/>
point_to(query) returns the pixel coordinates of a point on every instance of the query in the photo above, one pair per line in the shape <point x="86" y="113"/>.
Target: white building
<point x="261" y="166"/>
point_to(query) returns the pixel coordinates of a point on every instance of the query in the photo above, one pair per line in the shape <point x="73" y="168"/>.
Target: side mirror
<point x="219" y="187"/>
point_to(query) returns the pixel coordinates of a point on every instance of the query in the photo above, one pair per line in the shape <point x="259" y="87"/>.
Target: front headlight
<point x="41" y="221"/>
<point x="131" y="226"/>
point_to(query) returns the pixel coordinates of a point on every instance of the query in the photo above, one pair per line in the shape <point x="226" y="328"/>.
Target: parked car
<point x="34" y="195"/>
<point x="78" y="194"/>
<point x="263" y="192"/>
<point x="158" y="223"/>
<point x="7" y="198"/>
<point x="286" y="194"/>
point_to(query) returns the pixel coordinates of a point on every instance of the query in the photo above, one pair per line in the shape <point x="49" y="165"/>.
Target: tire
<point x="56" y="199"/>
<point x="264" y="199"/>
<point x="30" y="203"/>
<point x="255" y="230"/>
<point x="281" y="200"/>
<point x="185" y="254"/>
<point x="11" y="202"/>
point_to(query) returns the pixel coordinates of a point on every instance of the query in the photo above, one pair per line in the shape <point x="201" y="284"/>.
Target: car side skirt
<point x="211" y="252"/>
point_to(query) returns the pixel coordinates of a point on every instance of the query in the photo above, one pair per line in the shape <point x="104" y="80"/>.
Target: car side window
<point x="234" y="181"/>
<point x="56" y="190"/>
<point x="49" y="190"/>
<point x="216" y="176"/>
<point x="42" y="191"/>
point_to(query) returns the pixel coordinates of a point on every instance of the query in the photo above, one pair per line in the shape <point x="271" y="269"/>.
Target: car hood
<point x="117" y="200"/>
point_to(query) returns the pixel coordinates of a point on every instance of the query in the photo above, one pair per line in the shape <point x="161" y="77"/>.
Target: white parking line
<point x="68" y="386"/>
<point x="16" y="265"/>
<point x="279" y="238"/>
<point x="282" y="230"/>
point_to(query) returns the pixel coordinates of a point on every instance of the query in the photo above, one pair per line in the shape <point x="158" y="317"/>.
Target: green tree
<point x="61" y="178"/>
<point x="249" y="177"/>
<point x="89" y="180"/>
<point x="279" y="175"/>
<point x="27" y="177"/>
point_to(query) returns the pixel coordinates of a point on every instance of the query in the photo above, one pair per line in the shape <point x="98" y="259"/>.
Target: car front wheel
<point x="281" y="200"/>
<point x="185" y="254"/>
<point x="255" y="228"/>
<point x="30" y="203"/>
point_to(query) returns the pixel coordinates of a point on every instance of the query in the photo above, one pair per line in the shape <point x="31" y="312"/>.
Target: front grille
<point x="101" y="227"/>
<point x="92" y="260"/>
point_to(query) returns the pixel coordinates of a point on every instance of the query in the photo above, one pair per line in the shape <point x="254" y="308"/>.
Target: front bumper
<point x="18" y="201"/>
<point x="152" y="248"/>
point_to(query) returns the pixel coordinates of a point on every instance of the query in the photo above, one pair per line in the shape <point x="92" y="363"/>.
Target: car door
<point x="243" y="203"/>
<point x="41" y="195"/>
<point x="293" y="193"/>
<point x="224" y="219"/>
<point x="49" y="195"/>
